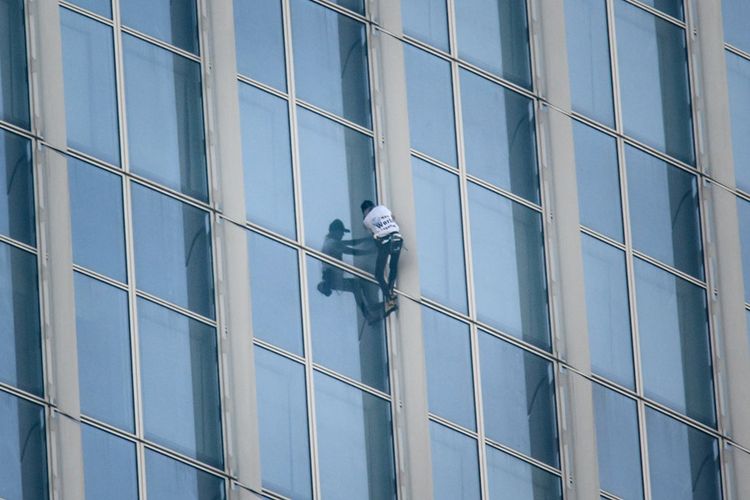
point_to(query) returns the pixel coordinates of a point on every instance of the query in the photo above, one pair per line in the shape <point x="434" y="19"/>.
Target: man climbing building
<point x="381" y="223"/>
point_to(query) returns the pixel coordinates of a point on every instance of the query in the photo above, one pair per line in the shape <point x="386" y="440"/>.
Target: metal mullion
<point x="85" y="157"/>
<point x="602" y="237"/>
<point x="667" y="268"/>
<point x="343" y="11"/>
<point x="265" y="232"/>
<point x="10" y="127"/>
<point x="187" y="460"/>
<point x="86" y="13"/>
<point x="696" y="100"/>
<point x="18" y="244"/>
<point x="658" y="13"/>
<point x="111" y="429"/>
<point x="257" y="342"/>
<point x="345" y="379"/>
<point x="504" y="193"/>
<point x="433" y="417"/>
<point x="21" y="394"/>
<point x="614" y="65"/>
<point x="32" y="87"/>
<point x="525" y="458"/>
<point x="167" y="191"/>
<point x="175" y="308"/>
<point x="349" y="268"/>
<point x="736" y="51"/>
<point x="661" y="155"/>
<point x="77" y="268"/>
<point x="443" y="309"/>
<point x="613" y="386"/>
<point x="335" y="118"/>
<point x="273" y="495"/>
<point x="476" y="376"/>
<point x="609" y="496"/>
<point x="506" y="84"/>
<point x="682" y="418"/>
<point x="433" y="161"/>
<point x="262" y="86"/>
<point x="160" y="43"/>
<point x="521" y="344"/>
<point x="585" y="120"/>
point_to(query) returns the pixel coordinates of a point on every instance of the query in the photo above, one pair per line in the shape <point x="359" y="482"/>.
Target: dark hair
<point x="366" y="204"/>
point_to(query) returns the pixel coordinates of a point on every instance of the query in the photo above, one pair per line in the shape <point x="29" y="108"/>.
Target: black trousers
<point x="389" y="250"/>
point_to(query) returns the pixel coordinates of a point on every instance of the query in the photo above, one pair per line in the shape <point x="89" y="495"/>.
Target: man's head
<point x="336" y="229"/>
<point x="366" y="206"/>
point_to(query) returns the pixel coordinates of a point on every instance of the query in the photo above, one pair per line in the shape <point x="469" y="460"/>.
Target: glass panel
<point x="514" y="479"/>
<point x="282" y="422"/>
<point x="509" y="276"/>
<point x="165" y="117"/>
<point x="355" y="448"/>
<point x="101" y="7"/>
<point x="743" y="213"/>
<point x="608" y="311"/>
<point x="14" y="92"/>
<point x="180" y="383"/>
<point x="108" y="465"/>
<point x="519" y="411"/>
<point x="16" y="188"/>
<point x="426" y="20"/>
<point x="675" y="350"/>
<point x="338" y="173"/>
<point x="430" y="95"/>
<point x="23" y="452"/>
<point x="450" y="383"/>
<point x="168" y="479"/>
<point x="671" y="7"/>
<point x="735" y="14"/>
<point x="455" y="470"/>
<point x="104" y="369"/>
<point x="259" y="38"/>
<point x="618" y="444"/>
<point x="598" y="181"/>
<point x="20" y="332"/>
<point x="357" y="6"/>
<point x="499" y="137"/>
<point x="173" y="21"/>
<point x="330" y="61"/>
<point x="664" y="212"/>
<point x="172" y="250"/>
<point x="654" y="84"/>
<point x="347" y="334"/>
<point x="588" y="59"/>
<point x="274" y="282"/>
<point x="441" y="249"/>
<point x="90" y="93"/>
<point x="269" y="195"/>
<point x="738" y="74"/>
<point x="97" y="219"/>
<point x="683" y="462"/>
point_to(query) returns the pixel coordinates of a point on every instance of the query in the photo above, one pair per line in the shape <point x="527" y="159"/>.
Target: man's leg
<point x="395" y="253"/>
<point x="383" y="251"/>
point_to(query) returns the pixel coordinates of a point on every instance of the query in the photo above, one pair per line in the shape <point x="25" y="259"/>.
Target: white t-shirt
<point x="379" y="221"/>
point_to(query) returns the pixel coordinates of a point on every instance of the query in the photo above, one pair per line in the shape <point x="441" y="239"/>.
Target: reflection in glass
<point x="519" y="399"/>
<point x="16" y="188"/>
<point x="738" y="74"/>
<point x="608" y="311"/>
<point x="168" y="479"/>
<point x="450" y="384"/>
<point x="23" y="452"/>
<point x="97" y="220"/>
<point x="165" y="117"/>
<point x="172" y="250"/>
<point x="14" y="92"/>
<point x="675" y="349"/>
<point x="683" y="462"/>
<point x="743" y="214"/>
<point x="180" y="383"/>
<point x="735" y="15"/>
<point x="259" y="39"/>
<point x="103" y="333"/>
<point x="493" y="34"/>
<point x="671" y="7"/>
<point x="427" y="21"/>
<point x="355" y="447"/>
<point x="20" y="332"/>
<point x="499" y="137"/>
<point x="512" y="479"/>
<point x="90" y="93"/>
<point x="267" y="159"/>
<point x="441" y="251"/>
<point x="174" y="22"/>
<point x="274" y="283"/>
<point x="101" y="7"/>
<point x="509" y="276"/>
<point x="108" y="465"/>
<point x="651" y="55"/>
<point x="330" y="61"/>
<point x="282" y="423"/>
<point x="455" y="471"/>
<point x="617" y="443"/>
<point x="430" y="94"/>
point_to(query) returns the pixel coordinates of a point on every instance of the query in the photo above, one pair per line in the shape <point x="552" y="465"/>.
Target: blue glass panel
<point x="104" y="368"/>
<point x="165" y="117"/>
<point x="172" y="250"/>
<point x="735" y="15"/>
<point x="173" y="21"/>
<point x="738" y="74"/>
<point x="267" y="159"/>
<point x="355" y="447"/>
<point x="588" y="59"/>
<point x="675" y="349"/>
<point x="180" y="383"/>
<point x="598" y="181"/>
<point x="430" y="93"/>
<point x="455" y="468"/>
<point x="509" y="275"/>
<point x="101" y="7"/>
<point x="617" y="443"/>
<point x="97" y="220"/>
<point x="441" y="248"/>
<point x="608" y="311"/>
<point x="108" y="465"/>
<point x="16" y="188"/>
<point x="654" y="85"/>
<point x="23" y="452"/>
<point x="743" y="214"/>
<point x="20" y="332"/>
<point x="683" y="462"/>
<point x="357" y="6"/>
<point x="259" y="38"/>
<point x="90" y="92"/>
<point x="493" y="34"/>
<point x="282" y="424"/>
<point x="14" y="90"/>
<point x="427" y="21"/>
<point x="671" y="7"/>
<point x="330" y="61"/>
<point x="168" y="479"/>
<point x="518" y="390"/>
<point x="512" y="479"/>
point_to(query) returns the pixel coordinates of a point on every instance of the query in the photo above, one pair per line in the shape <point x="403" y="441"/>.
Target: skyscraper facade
<point x="183" y="316"/>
